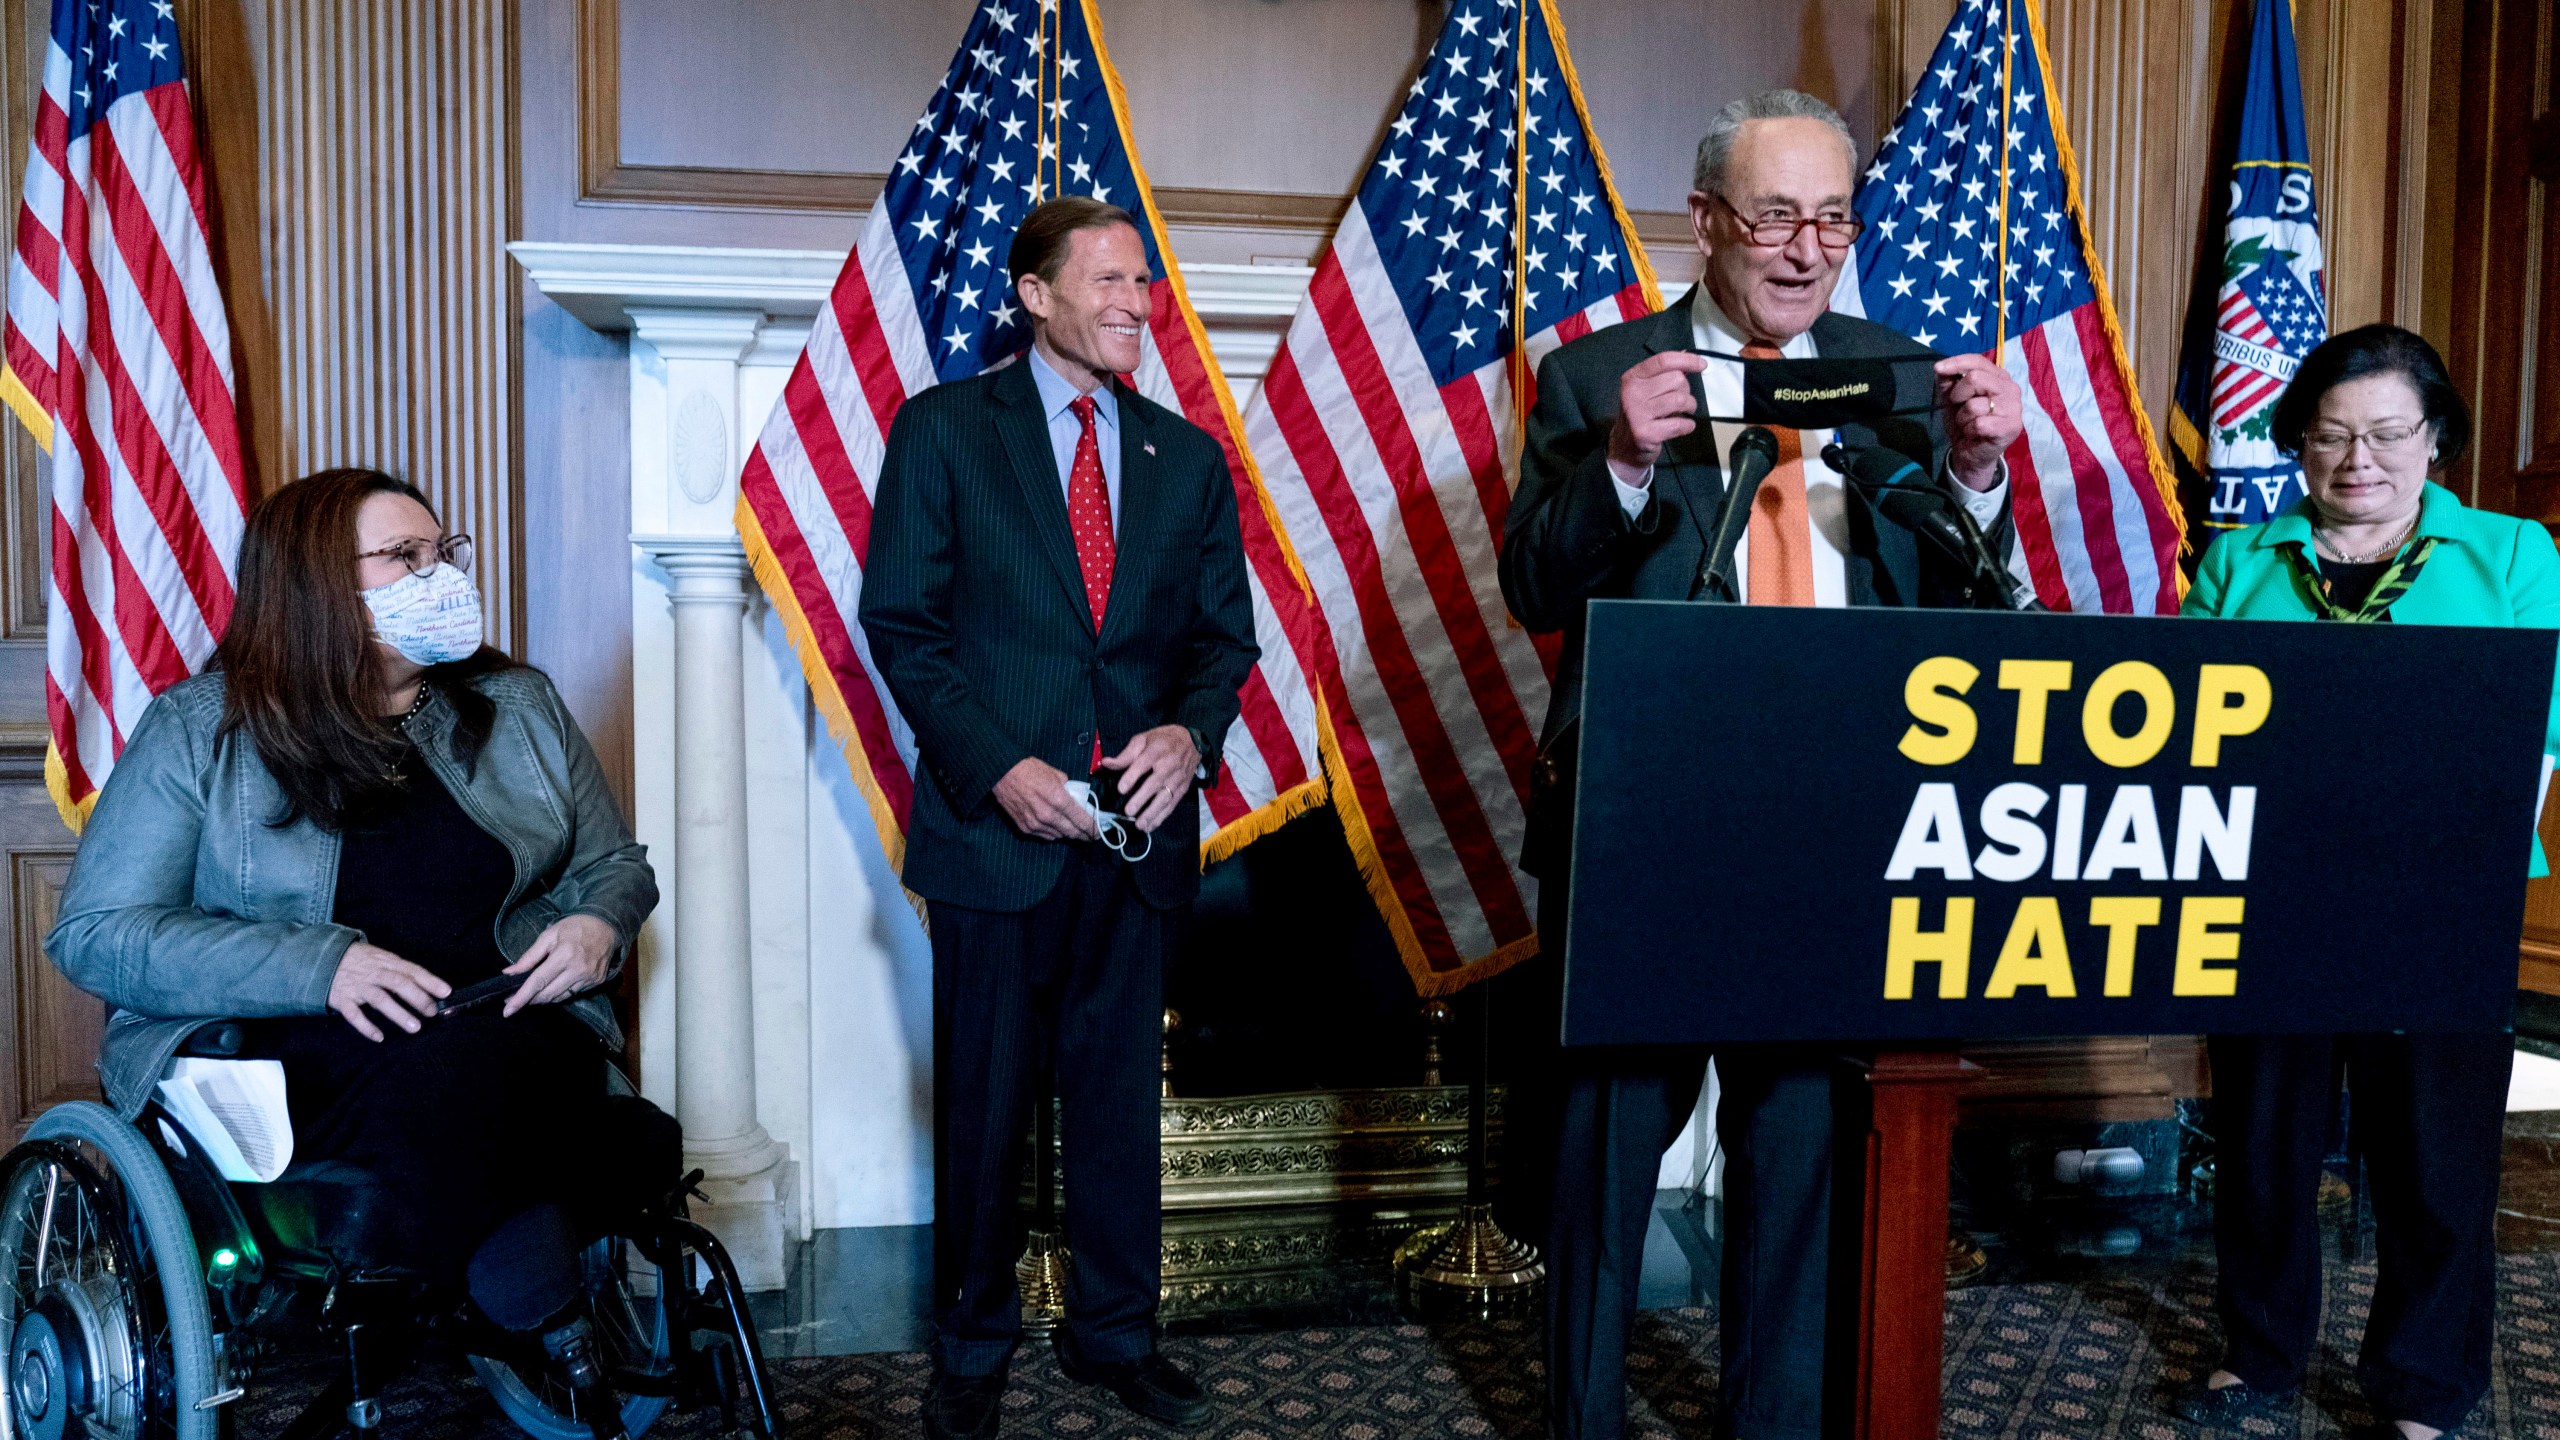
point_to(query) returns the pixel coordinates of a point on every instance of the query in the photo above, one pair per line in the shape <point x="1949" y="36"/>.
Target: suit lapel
<point x="1143" y="510"/>
<point x="1689" y="463"/>
<point x="1025" y="433"/>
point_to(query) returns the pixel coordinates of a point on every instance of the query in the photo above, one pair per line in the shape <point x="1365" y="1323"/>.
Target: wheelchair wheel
<point x="102" y="1299"/>
<point x="629" y="1303"/>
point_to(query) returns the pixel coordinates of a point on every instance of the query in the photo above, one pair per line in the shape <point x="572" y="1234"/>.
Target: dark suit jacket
<point x="974" y="604"/>
<point x="1567" y="540"/>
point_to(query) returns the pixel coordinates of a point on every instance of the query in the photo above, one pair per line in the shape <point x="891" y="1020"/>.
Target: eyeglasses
<point x="2387" y="440"/>
<point x="422" y="556"/>
<point x="1836" y="232"/>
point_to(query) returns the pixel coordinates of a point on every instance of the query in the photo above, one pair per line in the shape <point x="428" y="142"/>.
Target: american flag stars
<point x="122" y="50"/>
<point x="1440" y="196"/>
<point x="1932" y="199"/>
<point x="1003" y="132"/>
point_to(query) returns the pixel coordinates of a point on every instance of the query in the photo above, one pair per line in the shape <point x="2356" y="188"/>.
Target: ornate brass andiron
<point x="1041" y="1273"/>
<point x="1469" y="1266"/>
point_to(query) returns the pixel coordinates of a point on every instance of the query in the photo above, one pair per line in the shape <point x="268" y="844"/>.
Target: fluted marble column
<point x="747" y="1176"/>
<point x="715" y="1013"/>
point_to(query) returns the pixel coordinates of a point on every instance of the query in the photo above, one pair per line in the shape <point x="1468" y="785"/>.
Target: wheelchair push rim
<point x="104" y="1329"/>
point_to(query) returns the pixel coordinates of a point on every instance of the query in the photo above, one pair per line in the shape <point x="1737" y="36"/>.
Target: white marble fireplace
<point x="786" y="997"/>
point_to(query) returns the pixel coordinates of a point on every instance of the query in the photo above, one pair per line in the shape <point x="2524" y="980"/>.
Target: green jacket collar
<point x="2439" y="515"/>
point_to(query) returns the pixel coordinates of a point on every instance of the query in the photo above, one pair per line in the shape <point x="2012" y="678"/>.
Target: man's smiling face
<point x="1088" y="321"/>
<point x="1791" y="168"/>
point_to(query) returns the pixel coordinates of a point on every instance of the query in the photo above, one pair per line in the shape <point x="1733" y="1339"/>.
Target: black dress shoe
<point x="1150" y="1384"/>
<point x="962" y="1407"/>
<point x="2206" y="1406"/>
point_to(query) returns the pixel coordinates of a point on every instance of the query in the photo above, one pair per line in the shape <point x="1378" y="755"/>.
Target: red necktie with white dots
<point x="1089" y="511"/>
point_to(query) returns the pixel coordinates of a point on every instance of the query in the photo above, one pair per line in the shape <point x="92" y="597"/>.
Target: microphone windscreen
<point x="1756" y="445"/>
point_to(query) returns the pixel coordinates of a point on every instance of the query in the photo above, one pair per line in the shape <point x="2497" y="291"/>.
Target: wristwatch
<point x="1200" y="747"/>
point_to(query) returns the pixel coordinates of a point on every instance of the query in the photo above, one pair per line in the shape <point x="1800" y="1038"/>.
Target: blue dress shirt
<point x="1057" y="399"/>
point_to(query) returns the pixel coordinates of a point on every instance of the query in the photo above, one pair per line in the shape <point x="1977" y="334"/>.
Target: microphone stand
<point x="1961" y="533"/>
<point x="1755" y="454"/>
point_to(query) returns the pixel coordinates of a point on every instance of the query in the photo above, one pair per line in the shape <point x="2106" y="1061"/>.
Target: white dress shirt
<point x="1825" y="494"/>
<point x="1057" y="405"/>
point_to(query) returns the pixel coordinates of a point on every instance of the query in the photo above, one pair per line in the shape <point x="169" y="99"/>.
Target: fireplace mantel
<point x="785" y="984"/>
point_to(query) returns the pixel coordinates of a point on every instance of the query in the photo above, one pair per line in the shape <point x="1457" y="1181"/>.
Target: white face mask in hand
<point x="432" y="617"/>
<point x="1116" y="829"/>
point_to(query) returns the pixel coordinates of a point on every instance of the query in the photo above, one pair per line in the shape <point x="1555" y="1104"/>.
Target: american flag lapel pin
<point x="1148" y="445"/>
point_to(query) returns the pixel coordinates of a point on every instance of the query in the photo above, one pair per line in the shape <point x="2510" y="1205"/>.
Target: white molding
<point x="722" y="333"/>
<point x="600" y="283"/>
<point x="1246" y="292"/>
<point x="611" y="287"/>
<point x="1244" y="308"/>
<point x="695" y="554"/>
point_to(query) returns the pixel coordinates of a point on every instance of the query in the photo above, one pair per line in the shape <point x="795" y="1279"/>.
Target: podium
<point x="1886" y="831"/>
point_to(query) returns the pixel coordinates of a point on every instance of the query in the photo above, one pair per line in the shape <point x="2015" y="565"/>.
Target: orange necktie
<point x="1781" y="532"/>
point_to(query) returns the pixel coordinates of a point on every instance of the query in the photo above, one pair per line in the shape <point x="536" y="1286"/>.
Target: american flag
<point x="2267" y="309"/>
<point x="1031" y="109"/>
<point x="119" y="360"/>
<point x="1975" y="241"/>
<point x="1388" y="438"/>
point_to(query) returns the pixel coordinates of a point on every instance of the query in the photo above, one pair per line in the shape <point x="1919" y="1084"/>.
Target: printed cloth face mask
<point x="432" y="616"/>
<point x="1115" y="830"/>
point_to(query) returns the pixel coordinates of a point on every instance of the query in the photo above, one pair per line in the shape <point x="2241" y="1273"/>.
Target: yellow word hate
<point x="2036" y="953"/>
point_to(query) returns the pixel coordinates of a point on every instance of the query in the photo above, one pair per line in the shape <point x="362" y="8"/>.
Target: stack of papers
<point x="235" y="1110"/>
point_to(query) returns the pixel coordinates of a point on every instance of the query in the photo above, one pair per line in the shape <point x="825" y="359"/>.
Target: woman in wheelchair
<point x="357" y="820"/>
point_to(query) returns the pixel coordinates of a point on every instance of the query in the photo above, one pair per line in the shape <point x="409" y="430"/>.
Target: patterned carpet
<point x="2088" y="1361"/>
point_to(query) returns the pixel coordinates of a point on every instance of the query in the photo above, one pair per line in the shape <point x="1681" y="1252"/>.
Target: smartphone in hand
<point x="483" y="992"/>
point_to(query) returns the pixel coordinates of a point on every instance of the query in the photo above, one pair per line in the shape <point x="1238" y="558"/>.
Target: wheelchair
<point x="140" y="1292"/>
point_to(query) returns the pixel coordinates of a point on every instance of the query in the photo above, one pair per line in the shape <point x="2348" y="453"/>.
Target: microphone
<point x="1755" y="454"/>
<point x="1902" y="492"/>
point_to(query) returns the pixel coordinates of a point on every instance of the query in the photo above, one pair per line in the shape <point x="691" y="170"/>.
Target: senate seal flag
<point x="2266" y="307"/>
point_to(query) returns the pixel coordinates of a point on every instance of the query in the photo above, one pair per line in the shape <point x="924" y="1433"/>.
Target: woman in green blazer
<point x="2370" y="414"/>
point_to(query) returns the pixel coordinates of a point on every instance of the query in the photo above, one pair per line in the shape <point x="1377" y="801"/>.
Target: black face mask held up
<point x="1825" y="394"/>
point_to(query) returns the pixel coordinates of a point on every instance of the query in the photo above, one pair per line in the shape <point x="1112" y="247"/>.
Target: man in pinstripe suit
<point x="1056" y="591"/>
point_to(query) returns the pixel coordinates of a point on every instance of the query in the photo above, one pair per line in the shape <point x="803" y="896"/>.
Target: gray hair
<point x="1715" y="148"/>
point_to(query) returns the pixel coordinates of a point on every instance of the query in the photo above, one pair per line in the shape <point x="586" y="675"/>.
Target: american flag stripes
<point x="1975" y="188"/>
<point x="1030" y="109"/>
<point x="119" y="360"/>
<point x="1388" y="439"/>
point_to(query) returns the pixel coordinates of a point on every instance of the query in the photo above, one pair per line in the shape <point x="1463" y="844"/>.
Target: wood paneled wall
<point x="51" y="1029"/>
<point x="388" y="147"/>
<point x="2505" y="269"/>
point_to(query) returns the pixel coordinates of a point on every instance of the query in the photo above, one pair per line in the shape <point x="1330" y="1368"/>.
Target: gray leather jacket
<point x="185" y="906"/>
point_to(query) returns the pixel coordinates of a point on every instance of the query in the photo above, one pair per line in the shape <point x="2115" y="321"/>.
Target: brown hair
<point x="1040" y="246"/>
<point x="297" y="658"/>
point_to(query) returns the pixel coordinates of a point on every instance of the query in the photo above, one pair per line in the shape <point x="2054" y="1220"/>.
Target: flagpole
<point x="2008" y="62"/>
<point x="1518" y="361"/>
<point x="1469" y="1265"/>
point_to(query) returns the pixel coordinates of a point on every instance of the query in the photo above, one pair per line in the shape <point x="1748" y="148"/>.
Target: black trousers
<point x="468" y="1124"/>
<point x="1074" y="984"/>
<point x="2430" y="1115"/>
<point x="1601" y="1120"/>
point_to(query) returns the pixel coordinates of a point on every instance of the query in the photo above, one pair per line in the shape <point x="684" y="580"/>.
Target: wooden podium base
<point x="1898" y="1121"/>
